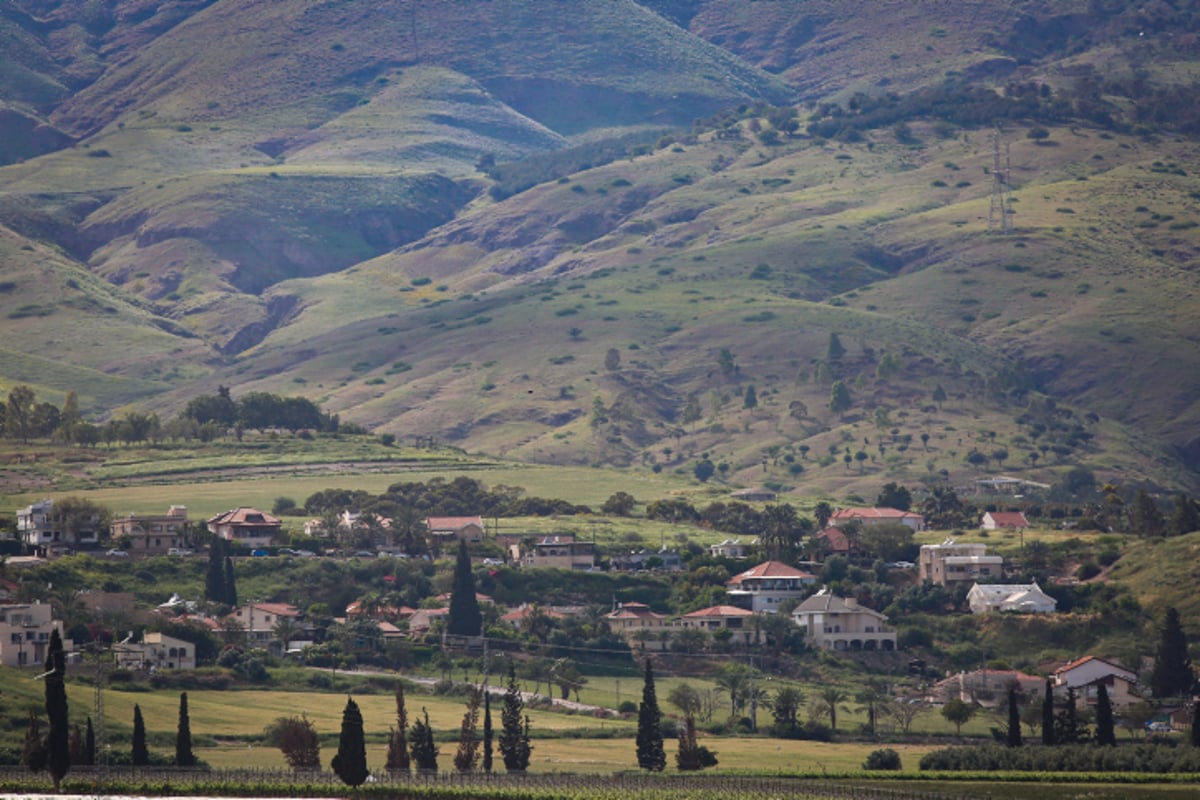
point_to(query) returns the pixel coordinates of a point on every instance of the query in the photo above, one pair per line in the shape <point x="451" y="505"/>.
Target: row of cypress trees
<point x="414" y="748"/>
<point x="59" y="748"/>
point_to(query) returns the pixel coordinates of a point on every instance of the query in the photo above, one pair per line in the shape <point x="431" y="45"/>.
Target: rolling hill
<point x="623" y="233"/>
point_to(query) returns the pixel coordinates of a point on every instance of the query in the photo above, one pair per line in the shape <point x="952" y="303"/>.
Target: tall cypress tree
<point x="1172" y="675"/>
<point x="1014" y="719"/>
<point x="350" y="762"/>
<point x="230" y="585"/>
<point x="488" y="734"/>
<point x="397" y="754"/>
<point x="1048" y="716"/>
<point x="1105" y="732"/>
<point x="465" y="618"/>
<point x="139" y="755"/>
<point x="650" y="754"/>
<point x="514" y="737"/>
<point x="58" y="738"/>
<point x="183" y="737"/>
<point x="214" y="579"/>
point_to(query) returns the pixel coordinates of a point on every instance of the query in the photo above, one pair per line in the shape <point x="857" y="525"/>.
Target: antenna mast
<point x="1000" y="209"/>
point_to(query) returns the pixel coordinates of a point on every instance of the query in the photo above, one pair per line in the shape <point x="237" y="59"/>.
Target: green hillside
<point x="622" y="233"/>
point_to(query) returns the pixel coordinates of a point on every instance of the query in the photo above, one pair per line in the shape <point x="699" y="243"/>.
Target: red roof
<point x="634" y="611"/>
<point x="278" y="609"/>
<point x="837" y="539"/>
<point x="771" y="569"/>
<point x="874" y="514"/>
<point x="719" y="611"/>
<point x="244" y="516"/>
<point x="1009" y="519"/>
<point x="1079" y="662"/>
<point x="518" y="614"/>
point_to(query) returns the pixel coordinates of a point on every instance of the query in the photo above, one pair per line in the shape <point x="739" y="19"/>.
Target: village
<point x="775" y="600"/>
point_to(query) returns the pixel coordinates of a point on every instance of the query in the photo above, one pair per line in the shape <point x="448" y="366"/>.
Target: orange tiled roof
<point x="770" y="569"/>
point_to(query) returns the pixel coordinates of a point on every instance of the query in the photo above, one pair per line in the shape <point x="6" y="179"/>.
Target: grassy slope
<point x="197" y="160"/>
<point x="827" y="220"/>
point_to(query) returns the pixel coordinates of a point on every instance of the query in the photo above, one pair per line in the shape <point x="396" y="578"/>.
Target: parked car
<point x="115" y="553"/>
<point x="901" y="565"/>
<point x="260" y="552"/>
<point x="178" y="551"/>
<point x="1159" y="727"/>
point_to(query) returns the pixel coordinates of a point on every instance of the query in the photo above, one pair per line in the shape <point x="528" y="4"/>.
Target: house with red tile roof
<point x="876" y="516"/>
<point x="640" y="626"/>
<point x="715" y="618"/>
<point x="262" y="623"/>
<point x="251" y="527"/>
<point x="1085" y="675"/>
<point x="994" y="520"/>
<point x="444" y="531"/>
<point x="765" y="586"/>
<point x="834" y="542"/>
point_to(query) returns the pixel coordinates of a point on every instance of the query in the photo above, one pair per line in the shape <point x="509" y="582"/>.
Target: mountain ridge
<point x="450" y="236"/>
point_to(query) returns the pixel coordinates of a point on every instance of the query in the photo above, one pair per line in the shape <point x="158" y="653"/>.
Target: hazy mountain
<point x="533" y="227"/>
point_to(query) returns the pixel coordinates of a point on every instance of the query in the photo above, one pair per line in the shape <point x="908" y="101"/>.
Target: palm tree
<point x="873" y="699"/>
<point x="831" y="698"/>
<point x="285" y="631"/>
<point x="734" y="681"/>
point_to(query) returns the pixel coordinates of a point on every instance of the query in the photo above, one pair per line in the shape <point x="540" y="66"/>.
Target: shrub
<point x="886" y="758"/>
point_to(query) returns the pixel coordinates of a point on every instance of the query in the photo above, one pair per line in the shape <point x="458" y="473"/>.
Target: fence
<point x="631" y="784"/>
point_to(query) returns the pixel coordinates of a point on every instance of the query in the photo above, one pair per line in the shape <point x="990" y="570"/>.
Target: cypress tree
<point x="230" y="587"/>
<point x="58" y="737"/>
<point x="465" y="618"/>
<point x="1048" y="716"/>
<point x="214" y="579"/>
<point x="424" y="751"/>
<point x="467" y="756"/>
<point x="350" y="762"/>
<point x="1014" y="719"/>
<point x="487" y="732"/>
<point x="397" y="758"/>
<point x="139" y="755"/>
<point x="183" y="737"/>
<point x="650" y="754"/>
<point x="1172" y="675"/>
<point x="1105" y="733"/>
<point x="514" y="739"/>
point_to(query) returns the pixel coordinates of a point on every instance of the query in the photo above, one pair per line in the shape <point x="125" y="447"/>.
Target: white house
<point x="38" y="528"/>
<point x="1013" y="597"/>
<point x="156" y="650"/>
<point x="25" y="630"/>
<point x="1085" y="675"/>
<point x="766" y="586"/>
<point x="730" y="548"/>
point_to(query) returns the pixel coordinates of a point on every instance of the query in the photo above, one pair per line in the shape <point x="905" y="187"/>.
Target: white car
<point x="116" y="553"/>
<point x="178" y="551"/>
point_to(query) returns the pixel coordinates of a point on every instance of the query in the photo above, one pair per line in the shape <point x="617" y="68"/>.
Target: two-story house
<point x="561" y="552"/>
<point x="716" y="618"/>
<point x="152" y="534"/>
<point x="445" y="532"/>
<point x="836" y="623"/>
<point x="41" y="531"/>
<point x="156" y="650"/>
<point x="876" y="516"/>
<point x="251" y="527"/>
<point x="262" y="625"/>
<point x="25" y="633"/>
<point x="766" y="586"/>
<point x="1086" y="675"/>
<point x="951" y="563"/>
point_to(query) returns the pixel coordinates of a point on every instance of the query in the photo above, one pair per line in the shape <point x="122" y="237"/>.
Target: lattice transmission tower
<point x="1000" y="210"/>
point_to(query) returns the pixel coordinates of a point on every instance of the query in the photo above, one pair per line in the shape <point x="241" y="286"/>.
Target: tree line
<point x="206" y="418"/>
